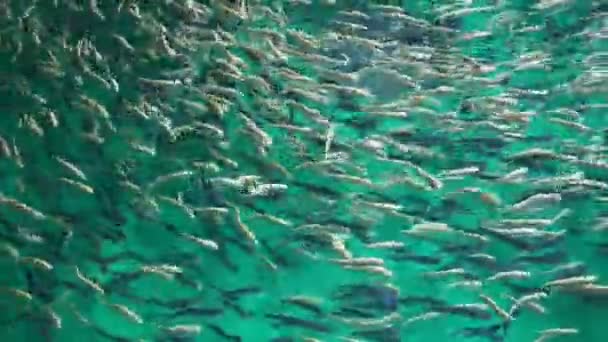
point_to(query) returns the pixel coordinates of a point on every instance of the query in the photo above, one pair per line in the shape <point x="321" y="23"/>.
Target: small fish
<point x="299" y="322"/>
<point x="537" y="201"/>
<point x="89" y="282"/>
<point x="128" y="313"/>
<point x="183" y="330"/>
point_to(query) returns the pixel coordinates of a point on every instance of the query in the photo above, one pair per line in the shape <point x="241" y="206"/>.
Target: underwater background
<point x="303" y="170"/>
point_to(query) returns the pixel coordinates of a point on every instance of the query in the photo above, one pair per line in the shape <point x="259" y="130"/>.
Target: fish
<point x="322" y="170"/>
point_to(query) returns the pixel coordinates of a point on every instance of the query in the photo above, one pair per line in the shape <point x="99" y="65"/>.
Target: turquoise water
<point x="303" y="171"/>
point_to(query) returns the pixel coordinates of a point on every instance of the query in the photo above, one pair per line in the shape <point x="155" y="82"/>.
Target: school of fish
<point x="302" y="170"/>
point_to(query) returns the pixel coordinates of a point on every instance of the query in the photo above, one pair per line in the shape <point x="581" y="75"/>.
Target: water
<point x="303" y="171"/>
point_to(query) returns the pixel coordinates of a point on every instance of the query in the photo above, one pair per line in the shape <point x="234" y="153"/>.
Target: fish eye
<point x="546" y="289"/>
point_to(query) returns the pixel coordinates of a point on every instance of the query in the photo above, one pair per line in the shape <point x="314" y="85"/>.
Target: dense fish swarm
<point x="303" y="170"/>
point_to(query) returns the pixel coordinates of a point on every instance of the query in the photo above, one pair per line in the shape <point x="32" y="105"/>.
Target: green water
<point x="137" y="139"/>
